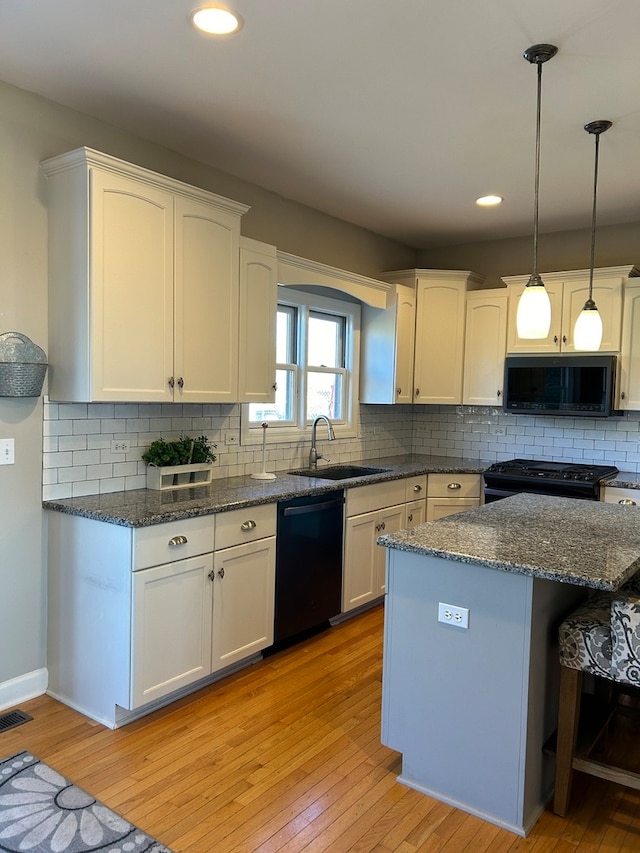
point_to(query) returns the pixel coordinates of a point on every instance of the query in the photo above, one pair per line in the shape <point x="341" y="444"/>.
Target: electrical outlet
<point x="231" y="438"/>
<point x="451" y="614"/>
<point x="7" y="451"/>
<point x="120" y="445"/>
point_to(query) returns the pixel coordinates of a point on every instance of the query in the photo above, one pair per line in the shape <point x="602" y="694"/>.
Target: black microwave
<point x="578" y="385"/>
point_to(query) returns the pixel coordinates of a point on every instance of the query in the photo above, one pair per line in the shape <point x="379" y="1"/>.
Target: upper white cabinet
<point x="485" y="345"/>
<point x="568" y="292"/>
<point x="143" y="285"/>
<point x="628" y="380"/>
<point x="438" y="345"/>
<point x="258" y="313"/>
<point x="386" y="349"/>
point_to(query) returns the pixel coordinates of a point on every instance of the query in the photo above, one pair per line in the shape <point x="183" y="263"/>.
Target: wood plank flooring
<point x="285" y="756"/>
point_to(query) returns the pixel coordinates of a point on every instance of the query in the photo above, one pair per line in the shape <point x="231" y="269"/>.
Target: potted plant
<point x="183" y="461"/>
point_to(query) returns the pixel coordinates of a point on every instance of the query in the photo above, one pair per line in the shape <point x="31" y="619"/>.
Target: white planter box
<point x="178" y="476"/>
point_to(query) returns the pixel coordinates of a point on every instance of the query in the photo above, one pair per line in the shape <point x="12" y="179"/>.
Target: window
<point x="317" y="351"/>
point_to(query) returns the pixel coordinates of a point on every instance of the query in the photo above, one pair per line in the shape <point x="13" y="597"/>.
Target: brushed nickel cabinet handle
<point x="177" y="540"/>
<point x="627" y="502"/>
<point x="454" y="486"/>
<point x="248" y="525"/>
<point x="417" y="488"/>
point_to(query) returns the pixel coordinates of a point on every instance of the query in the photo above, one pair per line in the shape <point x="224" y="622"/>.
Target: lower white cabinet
<point x="171" y="628"/>
<point x="138" y="614"/>
<point x="618" y="495"/>
<point x="451" y="493"/>
<point x="370" y="511"/>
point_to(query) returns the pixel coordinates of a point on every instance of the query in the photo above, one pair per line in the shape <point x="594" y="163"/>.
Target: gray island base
<point x="470" y="708"/>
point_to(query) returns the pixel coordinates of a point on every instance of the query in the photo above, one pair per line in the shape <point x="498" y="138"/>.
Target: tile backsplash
<point x="78" y="457"/>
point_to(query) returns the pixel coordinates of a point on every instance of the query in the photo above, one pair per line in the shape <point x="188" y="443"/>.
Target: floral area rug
<point x="42" y="812"/>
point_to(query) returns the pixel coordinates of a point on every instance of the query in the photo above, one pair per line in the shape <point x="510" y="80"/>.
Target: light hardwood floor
<point x="286" y="756"/>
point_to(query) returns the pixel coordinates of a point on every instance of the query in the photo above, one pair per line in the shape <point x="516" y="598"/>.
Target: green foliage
<point x="181" y="451"/>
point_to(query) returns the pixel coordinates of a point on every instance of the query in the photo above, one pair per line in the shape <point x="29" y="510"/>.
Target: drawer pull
<point x="177" y="540"/>
<point x="454" y="486"/>
<point x="627" y="502"/>
<point x="248" y="525"/>
<point x="417" y="488"/>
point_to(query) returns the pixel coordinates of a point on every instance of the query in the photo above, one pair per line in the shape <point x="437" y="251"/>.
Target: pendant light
<point x="533" y="318"/>
<point x="587" y="333"/>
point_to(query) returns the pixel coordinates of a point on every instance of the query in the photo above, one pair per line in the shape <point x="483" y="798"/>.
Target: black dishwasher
<point x="308" y="563"/>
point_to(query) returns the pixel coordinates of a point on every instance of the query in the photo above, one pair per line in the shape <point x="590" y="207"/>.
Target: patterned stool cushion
<point x="625" y="631"/>
<point x="585" y="637"/>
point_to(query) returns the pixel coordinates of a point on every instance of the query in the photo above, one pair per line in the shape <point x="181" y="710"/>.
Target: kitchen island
<point x="470" y="704"/>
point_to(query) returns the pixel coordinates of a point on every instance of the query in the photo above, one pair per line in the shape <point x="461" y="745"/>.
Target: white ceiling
<point x="392" y="114"/>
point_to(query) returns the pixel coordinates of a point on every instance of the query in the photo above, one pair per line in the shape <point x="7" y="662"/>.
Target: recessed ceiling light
<point x="488" y="200"/>
<point x="216" y="20"/>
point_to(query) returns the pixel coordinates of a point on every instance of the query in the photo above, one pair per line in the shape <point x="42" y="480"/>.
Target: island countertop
<point x="580" y="542"/>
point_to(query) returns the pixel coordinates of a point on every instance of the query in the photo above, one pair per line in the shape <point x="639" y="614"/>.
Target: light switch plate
<point x="7" y="451"/>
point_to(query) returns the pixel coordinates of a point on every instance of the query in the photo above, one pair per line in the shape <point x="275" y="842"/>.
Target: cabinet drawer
<point x="442" y="507"/>
<point x="615" y="495"/>
<point x="454" y="486"/>
<point x="175" y="540"/>
<point x="415" y="488"/>
<point x="245" y="525"/>
<point x="375" y="496"/>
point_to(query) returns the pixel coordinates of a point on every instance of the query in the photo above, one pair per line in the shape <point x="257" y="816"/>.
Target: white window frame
<point x="348" y="425"/>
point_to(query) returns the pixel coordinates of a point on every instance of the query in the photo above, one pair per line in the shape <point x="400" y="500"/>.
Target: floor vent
<point x="13" y="719"/>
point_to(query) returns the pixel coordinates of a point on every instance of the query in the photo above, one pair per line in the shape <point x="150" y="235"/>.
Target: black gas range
<point x="563" y="479"/>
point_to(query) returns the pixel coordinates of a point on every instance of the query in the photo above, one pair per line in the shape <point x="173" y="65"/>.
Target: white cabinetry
<point x="416" y="500"/>
<point x="258" y="312"/>
<point x="370" y="511"/>
<point x="243" y="583"/>
<point x="617" y="495"/>
<point x="143" y="278"/>
<point x="628" y="380"/>
<point x="138" y="615"/>
<point x="485" y="345"/>
<point x="568" y="292"/>
<point x="451" y="493"/>
<point x="387" y="345"/>
<point x="438" y="341"/>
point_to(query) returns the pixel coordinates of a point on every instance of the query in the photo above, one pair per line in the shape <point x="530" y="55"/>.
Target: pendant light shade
<point x="533" y="318"/>
<point x="587" y="333"/>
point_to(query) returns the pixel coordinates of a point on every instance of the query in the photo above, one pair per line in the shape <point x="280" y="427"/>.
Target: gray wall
<point x="32" y="129"/>
<point x="616" y="245"/>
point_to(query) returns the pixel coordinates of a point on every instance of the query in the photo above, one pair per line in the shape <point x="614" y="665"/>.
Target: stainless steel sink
<point x="338" y="472"/>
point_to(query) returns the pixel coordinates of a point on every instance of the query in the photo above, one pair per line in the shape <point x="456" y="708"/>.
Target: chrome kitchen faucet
<point x="313" y="453"/>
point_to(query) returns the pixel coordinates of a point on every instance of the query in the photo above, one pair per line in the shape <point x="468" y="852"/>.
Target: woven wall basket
<point x="23" y="366"/>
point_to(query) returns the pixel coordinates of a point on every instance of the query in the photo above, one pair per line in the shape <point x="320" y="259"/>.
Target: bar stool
<point x="602" y="638"/>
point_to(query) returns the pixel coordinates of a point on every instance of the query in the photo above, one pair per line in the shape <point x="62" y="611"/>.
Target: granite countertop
<point x="624" y="480"/>
<point x="144" y="507"/>
<point x="581" y="542"/>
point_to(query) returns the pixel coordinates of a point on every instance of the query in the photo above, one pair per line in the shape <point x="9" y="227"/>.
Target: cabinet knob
<point x="211" y="576"/>
<point x="248" y="525"/>
<point x="398" y="391"/>
<point x="622" y="395"/>
<point x="181" y="383"/>
<point x="177" y="540"/>
<point x="627" y="502"/>
<point x="382" y="526"/>
<point x="564" y="339"/>
<point x="555" y="339"/>
<point x="454" y="486"/>
<point x="498" y="393"/>
<point x="275" y="386"/>
<point x="417" y="488"/>
<point x="417" y="392"/>
<point x="410" y="518"/>
<point x="171" y="382"/>
<point x="221" y="572"/>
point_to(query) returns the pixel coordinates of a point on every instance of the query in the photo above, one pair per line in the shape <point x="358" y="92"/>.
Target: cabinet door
<point x="442" y="507"/>
<point x="243" y="601"/>
<point x="607" y="294"/>
<point x="171" y="627"/>
<point x="359" y="582"/>
<point x="131" y="305"/>
<point x="629" y="361"/>
<point x="386" y="350"/>
<point x="389" y="521"/>
<point x="485" y="344"/>
<point x="206" y="303"/>
<point x="404" y="343"/>
<point x="439" y="343"/>
<point x="549" y="344"/>
<point x="258" y="311"/>
<point x="416" y="512"/>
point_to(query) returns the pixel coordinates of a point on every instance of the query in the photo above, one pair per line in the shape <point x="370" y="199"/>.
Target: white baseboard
<point x="22" y="688"/>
